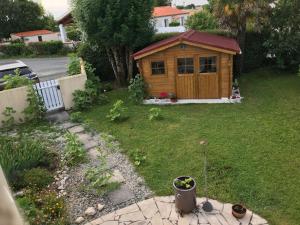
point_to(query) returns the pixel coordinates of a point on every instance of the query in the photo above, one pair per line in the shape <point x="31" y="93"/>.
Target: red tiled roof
<point x="33" y="33"/>
<point x="195" y="37"/>
<point x="167" y="11"/>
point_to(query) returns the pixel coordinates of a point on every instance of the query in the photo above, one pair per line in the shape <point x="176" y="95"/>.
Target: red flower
<point x="163" y="95"/>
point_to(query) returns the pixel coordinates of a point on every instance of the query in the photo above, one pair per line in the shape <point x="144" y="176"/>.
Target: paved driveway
<point x="46" y="68"/>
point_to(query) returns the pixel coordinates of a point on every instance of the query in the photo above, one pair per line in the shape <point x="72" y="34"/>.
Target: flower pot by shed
<point x="185" y="194"/>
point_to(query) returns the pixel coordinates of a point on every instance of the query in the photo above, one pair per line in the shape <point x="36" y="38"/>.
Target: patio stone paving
<point x="162" y="211"/>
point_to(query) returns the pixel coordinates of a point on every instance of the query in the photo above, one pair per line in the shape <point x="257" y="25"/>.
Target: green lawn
<point x="254" y="147"/>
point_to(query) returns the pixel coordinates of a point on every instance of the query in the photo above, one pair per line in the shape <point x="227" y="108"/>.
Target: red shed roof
<point x="194" y="37"/>
<point x="167" y="11"/>
<point x="33" y="33"/>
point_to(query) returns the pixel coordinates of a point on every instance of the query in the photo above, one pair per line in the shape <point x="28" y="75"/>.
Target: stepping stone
<point x="94" y="153"/>
<point x="123" y="194"/>
<point x="57" y="117"/>
<point x="90" y="145"/>
<point x="67" y="125"/>
<point x="76" y="129"/>
<point x="117" y="177"/>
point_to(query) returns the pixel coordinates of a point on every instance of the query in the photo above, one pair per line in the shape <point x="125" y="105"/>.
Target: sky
<point x="60" y="7"/>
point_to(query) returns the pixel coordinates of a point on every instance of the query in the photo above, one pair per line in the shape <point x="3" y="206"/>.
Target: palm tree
<point x="236" y="15"/>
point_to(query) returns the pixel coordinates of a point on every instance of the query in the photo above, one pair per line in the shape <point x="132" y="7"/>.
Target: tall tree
<point x="22" y="15"/>
<point x="162" y="2"/>
<point x="120" y="26"/>
<point x="236" y="14"/>
<point x="203" y="20"/>
<point x="284" y="42"/>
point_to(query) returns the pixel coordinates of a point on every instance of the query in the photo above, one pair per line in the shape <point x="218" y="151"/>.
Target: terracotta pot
<point x="185" y="199"/>
<point x="238" y="211"/>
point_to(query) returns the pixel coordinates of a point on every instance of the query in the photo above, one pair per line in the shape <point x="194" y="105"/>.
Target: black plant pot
<point x="185" y="199"/>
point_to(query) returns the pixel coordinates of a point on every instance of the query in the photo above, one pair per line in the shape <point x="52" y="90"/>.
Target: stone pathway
<point x="132" y="188"/>
<point x="161" y="211"/>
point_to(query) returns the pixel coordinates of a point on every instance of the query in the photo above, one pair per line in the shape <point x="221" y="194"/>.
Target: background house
<point x="165" y="15"/>
<point x="36" y="36"/>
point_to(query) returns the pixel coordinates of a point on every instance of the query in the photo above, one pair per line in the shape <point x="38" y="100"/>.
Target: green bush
<point x="74" y="152"/>
<point x="155" y="114"/>
<point x="255" y="52"/>
<point x="37" y="178"/>
<point x="203" y="20"/>
<point x="85" y="99"/>
<point x="116" y="113"/>
<point x="74" y="65"/>
<point x="20" y="153"/>
<point x="46" y="48"/>
<point x="97" y="57"/>
<point x="137" y="89"/>
<point x="9" y="121"/>
<point x="174" y="24"/>
<point x="15" y="81"/>
<point x="35" y="111"/>
<point x="76" y="117"/>
<point x="16" y="49"/>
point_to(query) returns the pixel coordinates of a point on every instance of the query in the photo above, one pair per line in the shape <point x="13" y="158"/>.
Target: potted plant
<point x="238" y="211"/>
<point x="173" y="97"/>
<point x="185" y="194"/>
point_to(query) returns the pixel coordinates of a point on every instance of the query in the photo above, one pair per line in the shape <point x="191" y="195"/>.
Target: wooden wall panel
<point x="188" y="86"/>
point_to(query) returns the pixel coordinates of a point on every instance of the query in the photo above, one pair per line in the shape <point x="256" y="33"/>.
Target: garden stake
<point x="207" y="206"/>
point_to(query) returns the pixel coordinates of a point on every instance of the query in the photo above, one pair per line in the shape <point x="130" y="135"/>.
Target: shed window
<point x="185" y="65"/>
<point x="158" y="67"/>
<point x="208" y="64"/>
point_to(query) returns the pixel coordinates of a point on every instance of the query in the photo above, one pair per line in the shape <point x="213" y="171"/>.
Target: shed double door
<point x="190" y="84"/>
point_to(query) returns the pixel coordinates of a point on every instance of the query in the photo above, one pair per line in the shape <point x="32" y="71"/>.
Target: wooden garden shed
<point x="191" y="65"/>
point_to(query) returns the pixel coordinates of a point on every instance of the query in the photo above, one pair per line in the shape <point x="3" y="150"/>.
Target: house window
<point x="166" y="21"/>
<point x="182" y="21"/>
<point x="40" y="38"/>
<point x="185" y="65"/>
<point x="208" y="64"/>
<point x="158" y="67"/>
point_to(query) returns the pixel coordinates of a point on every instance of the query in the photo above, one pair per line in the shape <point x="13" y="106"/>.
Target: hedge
<point x="39" y="48"/>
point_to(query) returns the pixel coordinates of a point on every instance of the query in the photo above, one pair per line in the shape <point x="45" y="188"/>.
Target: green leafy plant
<point x="138" y="157"/>
<point x="74" y="152"/>
<point x="44" y="208"/>
<point x="184" y="184"/>
<point x="37" y="178"/>
<point x="85" y="99"/>
<point x="136" y="89"/>
<point x="9" y="121"/>
<point x="20" y="153"/>
<point x="74" y="65"/>
<point x="155" y="114"/>
<point x="36" y="109"/>
<point x="76" y="117"/>
<point x="16" y="80"/>
<point x="116" y="113"/>
<point x="99" y="178"/>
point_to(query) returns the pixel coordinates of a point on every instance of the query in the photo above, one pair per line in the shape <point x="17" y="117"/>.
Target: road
<point x="46" y="68"/>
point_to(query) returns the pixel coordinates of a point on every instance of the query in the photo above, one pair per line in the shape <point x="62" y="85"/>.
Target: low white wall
<point x="170" y="29"/>
<point x="70" y="84"/>
<point x="15" y="98"/>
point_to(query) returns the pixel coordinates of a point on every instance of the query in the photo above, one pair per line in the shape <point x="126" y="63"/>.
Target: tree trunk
<point x="117" y="61"/>
<point x="241" y="38"/>
<point x="120" y="61"/>
<point x="129" y="62"/>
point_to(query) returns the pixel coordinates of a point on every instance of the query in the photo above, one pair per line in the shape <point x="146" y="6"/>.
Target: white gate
<point x="50" y="94"/>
